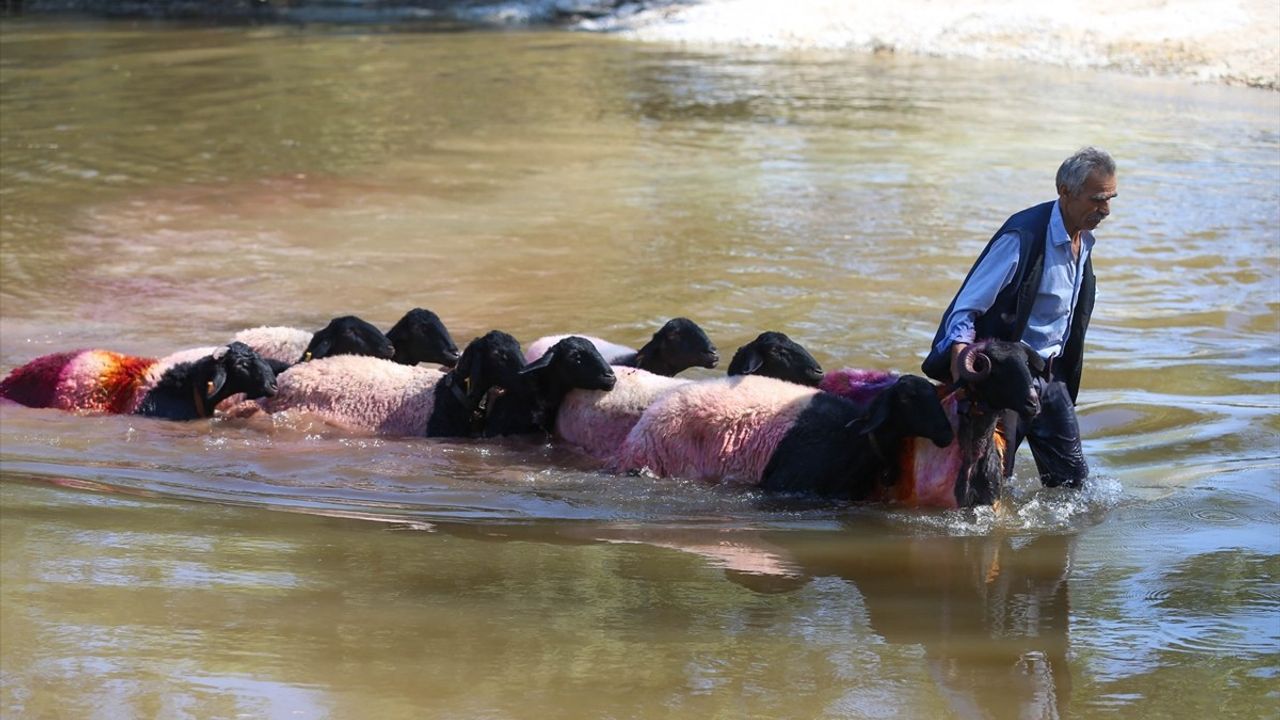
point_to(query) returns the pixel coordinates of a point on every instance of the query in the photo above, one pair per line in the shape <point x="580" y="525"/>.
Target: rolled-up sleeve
<point x="979" y="293"/>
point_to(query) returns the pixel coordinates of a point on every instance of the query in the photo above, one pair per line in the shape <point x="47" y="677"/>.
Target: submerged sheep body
<point x="359" y="393"/>
<point x="596" y="422"/>
<point x="722" y="429"/>
<point x="180" y="386"/>
<point x="781" y="436"/>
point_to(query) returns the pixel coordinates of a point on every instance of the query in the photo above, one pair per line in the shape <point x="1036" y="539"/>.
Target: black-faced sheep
<point x="678" y="345"/>
<point x="597" y="422"/>
<point x="419" y="336"/>
<point x="183" y="386"/>
<point x="773" y="354"/>
<point x="488" y="392"/>
<point x="781" y="436"/>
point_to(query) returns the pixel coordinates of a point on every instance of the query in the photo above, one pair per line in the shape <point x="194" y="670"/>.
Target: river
<point x="164" y="186"/>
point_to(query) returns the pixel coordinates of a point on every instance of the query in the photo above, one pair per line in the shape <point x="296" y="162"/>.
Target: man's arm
<point x="978" y="294"/>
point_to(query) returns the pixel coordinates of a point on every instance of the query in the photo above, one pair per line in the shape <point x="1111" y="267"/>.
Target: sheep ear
<point x="215" y="384"/>
<point x="877" y="415"/>
<point x="748" y="364"/>
<point x="538" y="364"/>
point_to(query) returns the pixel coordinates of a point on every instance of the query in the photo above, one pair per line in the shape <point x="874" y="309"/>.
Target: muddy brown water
<point x="162" y="187"/>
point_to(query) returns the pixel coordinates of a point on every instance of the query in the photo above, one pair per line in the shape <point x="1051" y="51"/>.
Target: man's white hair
<point x="1076" y="169"/>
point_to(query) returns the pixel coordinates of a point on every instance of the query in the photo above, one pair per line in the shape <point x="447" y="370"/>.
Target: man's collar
<point x="1058" y="229"/>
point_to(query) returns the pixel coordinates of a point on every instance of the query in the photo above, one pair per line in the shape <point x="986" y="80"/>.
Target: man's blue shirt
<point x="1050" y="319"/>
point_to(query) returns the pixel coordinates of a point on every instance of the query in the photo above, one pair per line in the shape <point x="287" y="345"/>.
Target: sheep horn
<point x="975" y="365"/>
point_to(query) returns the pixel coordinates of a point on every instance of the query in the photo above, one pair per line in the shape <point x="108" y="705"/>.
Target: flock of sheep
<point x="776" y="421"/>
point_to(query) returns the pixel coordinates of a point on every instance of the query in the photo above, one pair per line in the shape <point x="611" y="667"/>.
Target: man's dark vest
<point x="1007" y="318"/>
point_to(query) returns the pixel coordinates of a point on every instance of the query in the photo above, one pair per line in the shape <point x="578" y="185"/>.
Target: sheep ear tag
<point x="214" y="386"/>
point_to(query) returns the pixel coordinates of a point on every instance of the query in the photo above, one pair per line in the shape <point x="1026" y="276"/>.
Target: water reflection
<point x="991" y="613"/>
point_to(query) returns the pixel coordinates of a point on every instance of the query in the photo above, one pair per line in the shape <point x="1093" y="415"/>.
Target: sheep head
<point x="999" y="373"/>
<point x="348" y="335"/>
<point x="232" y="369"/>
<point x="678" y="345"/>
<point x="910" y="408"/>
<point x="773" y="354"/>
<point x="493" y="360"/>
<point x="573" y="363"/>
<point x="420" y="336"/>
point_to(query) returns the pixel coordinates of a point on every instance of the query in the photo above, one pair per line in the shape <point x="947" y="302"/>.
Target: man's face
<point x="1091" y="206"/>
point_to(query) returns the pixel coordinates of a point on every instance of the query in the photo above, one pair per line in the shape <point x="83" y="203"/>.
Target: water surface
<point x="162" y="187"/>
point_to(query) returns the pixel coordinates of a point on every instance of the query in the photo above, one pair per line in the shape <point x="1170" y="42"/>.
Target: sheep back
<point x="93" y="380"/>
<point x="273" y="342"/>
<point x="611" y="352"/>
<point x="721" y="429"/>
<point x="359" y="393"/>
<point x="89" y="380"/>
<point x="858" y="386"/>
<point x="597" y="421"/>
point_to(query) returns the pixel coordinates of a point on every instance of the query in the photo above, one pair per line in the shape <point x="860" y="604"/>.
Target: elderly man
<point x="1034" y="282"/>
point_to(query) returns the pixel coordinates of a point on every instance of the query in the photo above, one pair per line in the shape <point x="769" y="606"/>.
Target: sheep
<point x="596" y="423"/>
<point x="995" y="378"/>
<point x="419" y="336"/>
<point x="571" y="367"/>
<point x="347" y="335"/>
<point x="489" y="392"/>
<point x="183" y="386"/>
<point x="377" y="396"/>
<point x="773" y="354"/>
<point x="678" y="345"/>
<point x="780" y="436"/>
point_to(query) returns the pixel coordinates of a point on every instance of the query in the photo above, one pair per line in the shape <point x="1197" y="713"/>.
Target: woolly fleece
<point x="597" y="422"/>
<point x="359" y="393"/>
<point x="90" y="380"/>
<point x="283" y="344"/>
<point x="723" y="429"/>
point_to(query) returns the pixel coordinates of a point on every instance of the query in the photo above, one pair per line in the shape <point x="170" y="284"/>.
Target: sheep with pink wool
<point x="419" y="336"/>
<point x="489" y="392"/>
<point x="597" y="422"/>
<point x="182" y="386"/>
<point x="780" y="436"/>
<point x="678" y="345"/>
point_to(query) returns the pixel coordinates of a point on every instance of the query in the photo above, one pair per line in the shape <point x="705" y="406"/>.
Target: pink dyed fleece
<point x="597" y="422"/>
<point x="723" y="429"/>
<point x="860" y="386"/>
<point x="89" y="380"/>
<point x="359" y="393"/>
